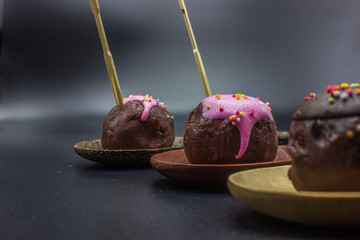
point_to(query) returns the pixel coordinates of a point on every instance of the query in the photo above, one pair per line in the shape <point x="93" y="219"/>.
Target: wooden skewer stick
<point x="109" y="61"/>
<point x="199" y="62"/>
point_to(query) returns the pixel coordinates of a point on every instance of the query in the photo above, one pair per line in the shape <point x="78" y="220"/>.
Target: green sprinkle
<point x="331" y="100"/>
<point x="307" y="125"/>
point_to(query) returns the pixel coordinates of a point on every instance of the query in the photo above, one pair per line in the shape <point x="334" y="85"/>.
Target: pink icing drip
<point x="230" y="105"/>
<point x="147" y="101"/>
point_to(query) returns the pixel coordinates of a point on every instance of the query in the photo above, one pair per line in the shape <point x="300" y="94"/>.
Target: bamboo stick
<point x="198" y="59"/>
<point x="109" y="61"/>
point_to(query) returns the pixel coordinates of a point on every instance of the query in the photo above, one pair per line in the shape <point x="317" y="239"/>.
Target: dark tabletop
<point x="48" y="192"/>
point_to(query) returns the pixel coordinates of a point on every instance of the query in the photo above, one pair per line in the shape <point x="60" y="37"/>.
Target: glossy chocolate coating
<point x="124" y="129"/>
<point x="215" y="141"/>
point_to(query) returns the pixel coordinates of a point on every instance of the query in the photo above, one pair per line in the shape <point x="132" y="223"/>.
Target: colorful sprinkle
<point x="329" y="88"/>
<point x="331" y="100"/>
<point x="221" y="109"/>
<point x="358" y="92"/>
<point x="344" y="85"/>
<point x="336" y="94"/>
<point x="344" y="96"/>
<point x="350" y="134"/>
<point x="306" y="99"/>
<point x="241" y="114"/>
<point x="252" y="113"/>
<point x="350" y="93"/>
<point x="358" y="128"/>
<point x="208" y="106"/>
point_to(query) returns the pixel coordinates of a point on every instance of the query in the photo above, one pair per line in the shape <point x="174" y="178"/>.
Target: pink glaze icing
<point x="230" y="107"/>
<point x="147" y="101"/>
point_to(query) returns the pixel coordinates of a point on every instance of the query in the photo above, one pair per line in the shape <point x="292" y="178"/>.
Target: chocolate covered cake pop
<point x="142" y="123"/>
<point x="230" y="129"/>
<point x="325" y="141"/>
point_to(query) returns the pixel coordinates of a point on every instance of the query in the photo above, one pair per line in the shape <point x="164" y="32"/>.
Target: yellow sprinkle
<point x="350" y="134"/>
<point x="241" y="114"/>
<point x="231" y="118"/>
<point x="208" y="106"/>
<point x="345" y="85"/>
<point x="124" y="99"/>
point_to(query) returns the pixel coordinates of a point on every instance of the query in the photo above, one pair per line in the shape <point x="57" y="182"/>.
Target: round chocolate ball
<point x="217" y="141"/>
<point x="123" y="128"/>
<point x="324" y="141"/>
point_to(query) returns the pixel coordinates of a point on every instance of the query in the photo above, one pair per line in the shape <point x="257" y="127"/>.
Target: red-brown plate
<point x="176" y="166"/>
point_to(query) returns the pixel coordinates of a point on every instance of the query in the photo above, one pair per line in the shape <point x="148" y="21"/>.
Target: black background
<point x="55" y="92"/>
<point x="277" y="49"/>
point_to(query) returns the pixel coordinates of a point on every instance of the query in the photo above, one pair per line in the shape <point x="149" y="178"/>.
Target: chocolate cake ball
<point x="142" y="123"/>
<point x="325" y="141"/>
<point x="230" y="129"/>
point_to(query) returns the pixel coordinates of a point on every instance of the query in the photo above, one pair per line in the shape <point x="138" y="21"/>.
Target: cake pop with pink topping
<point x="230" y="129"/>
<point x="142" y="123"/>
